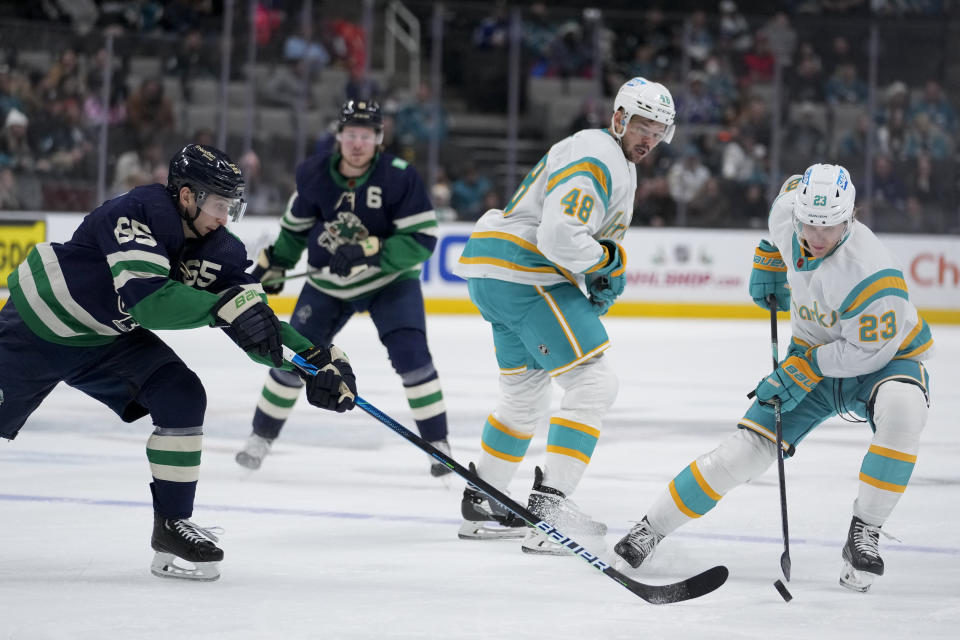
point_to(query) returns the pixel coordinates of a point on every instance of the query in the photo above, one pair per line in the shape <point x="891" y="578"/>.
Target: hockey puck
<point x="782" y="590"/>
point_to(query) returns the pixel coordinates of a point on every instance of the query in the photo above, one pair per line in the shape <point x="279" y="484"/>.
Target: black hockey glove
<point x="268" y="273"/>
<point x="350" y="256"/>
<point x="334" y="387"/>
<point x="250" y="322"/>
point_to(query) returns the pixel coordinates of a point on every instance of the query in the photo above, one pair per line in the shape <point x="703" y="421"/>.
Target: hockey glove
<point x="334" y="387"/>
<point x="268" y="273"/>
<point x="769" y="275"/>
<point x="250" y="322"/>
<point x="606" y="283"/>
<point x="350" y="256"/>
<point x="790" y="382"/>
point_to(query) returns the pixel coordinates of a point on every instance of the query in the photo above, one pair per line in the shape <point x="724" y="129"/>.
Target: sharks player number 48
<point x="81" y="312"/>
<point x="857" y="351"/>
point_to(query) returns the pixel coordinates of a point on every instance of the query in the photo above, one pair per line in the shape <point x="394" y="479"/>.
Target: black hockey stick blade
<point x="785" y="564"/>
<point x="694" y="587"/>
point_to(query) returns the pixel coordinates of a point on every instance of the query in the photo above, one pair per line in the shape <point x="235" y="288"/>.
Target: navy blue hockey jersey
<point x="389" y="202"/>
<point x="128" y="264"/>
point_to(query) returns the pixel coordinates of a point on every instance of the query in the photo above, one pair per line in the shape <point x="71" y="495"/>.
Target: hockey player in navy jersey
<point x="858" y="348"/>
<point x="367" y="224"/>
<point x="542" y="271"/>
<point x="81" y="312"/>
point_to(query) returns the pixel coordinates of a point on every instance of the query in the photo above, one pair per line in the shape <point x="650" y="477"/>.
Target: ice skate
<point x="181" y="540"/>
<point x="486" y="519"/>
<point x="437" y="468"/>
<point x="253" y="453"/>
<point x="638" y="544"/>
<point x="861" y="556"/>
<point x="553" y="507"/>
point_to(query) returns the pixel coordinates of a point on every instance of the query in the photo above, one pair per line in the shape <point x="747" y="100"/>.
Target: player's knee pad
<point x="524" y="399"/>
<point x="899" y="415"/>
<point x="590" y="387"/>
<point x="175" y="397"/>
<point x="286" y="378"/>
<point x="408" y="352"/>
<point x="742" y="456"/>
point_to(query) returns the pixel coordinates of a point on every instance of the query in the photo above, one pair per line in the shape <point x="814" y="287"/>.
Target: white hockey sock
<point x="899" y="414"/>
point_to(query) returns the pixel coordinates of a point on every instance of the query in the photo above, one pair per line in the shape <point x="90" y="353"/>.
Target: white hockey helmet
<point x="651" y="100"/>
<point x="825" y="198"/>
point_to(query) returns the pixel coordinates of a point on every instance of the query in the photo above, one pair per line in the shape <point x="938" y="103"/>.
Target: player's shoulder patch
<point x="792" y="183"/>
<point x="399" y="163"/>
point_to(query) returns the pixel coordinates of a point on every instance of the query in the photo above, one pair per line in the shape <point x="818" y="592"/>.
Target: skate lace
<point x="866" y="539"/>
<point x="643" y="538"/>
<point x="195" y="533"/>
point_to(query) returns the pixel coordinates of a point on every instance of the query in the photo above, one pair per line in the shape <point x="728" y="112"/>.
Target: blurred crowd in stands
<point x="737" y="107"/>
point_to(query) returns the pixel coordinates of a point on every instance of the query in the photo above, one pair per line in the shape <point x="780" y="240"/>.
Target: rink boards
<point x="671" y="272"/>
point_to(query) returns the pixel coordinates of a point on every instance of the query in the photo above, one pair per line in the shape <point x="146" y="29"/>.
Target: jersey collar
<point x="350" y="183"/>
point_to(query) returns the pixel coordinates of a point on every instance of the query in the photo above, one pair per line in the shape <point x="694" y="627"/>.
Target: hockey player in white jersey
<point x="857" y="350"/>
<point x="527" y="267"/>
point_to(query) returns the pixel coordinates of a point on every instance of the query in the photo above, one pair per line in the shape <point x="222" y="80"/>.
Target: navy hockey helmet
<point x="361" y="113"/>
<point x="208" y="172"/>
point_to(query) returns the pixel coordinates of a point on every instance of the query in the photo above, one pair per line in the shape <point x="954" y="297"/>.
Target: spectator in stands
<point x="266" y="21"/>
<point x="468" y="191"/>
<point x="654" y="207"/>
<point x="721" y="80"/>
<point x="63" y="77"/>
<point x="643" y="64"/>
<point x="841" y="54"/>
<point x="845" y="87"/>
<point x="361" y="86"/>
<point x="806" y="83"/>
<point x="8" y="98"/>
<point x="570" y="54"/>
<point x="923" y="136"/>
<point x="928" y="187"/>
<point x="493" y="31"/>
<point x="710" y="206"/>
<point x="851" y="145"/>
<point x="937" y="107"/>
<point x="302" y="46"/>
<point x="781" y="36"/>
<point x="262" y="197"/>
<point x="892" y="135"/>
<point x="889" y="191"/>
<point x="349" y="43"/>
<point x="806" y="138"/>
<point x="194" y="59"/>
<point x="538" y="33"/>
<point x="10" y="199"/>
<point x="93" y="107"/>
<point x="284" y="86"/>
<point x="697" y="104"/>
<point x="58" y="136"/>
<point x="754" y="209"/>
<point x="95" y="112"/>
<point x="739" y="157"/>
<point x="149" y="111"/>
<point x="755" y="120"/>
<point x="758" y="62"/>
<point x="204" y="136"/>
<point x="440" y="194"/>
<point x="735" y="34"/>
<point x="589" y="116"/>
<point x="698" y="39"/>
<point x="421" y="119"/>
<point x="137" y="167"/>
<point x="688" y="176"/>
<point x="16" y="149"/>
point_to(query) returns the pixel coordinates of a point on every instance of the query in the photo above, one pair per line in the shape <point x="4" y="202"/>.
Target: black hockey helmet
<point x="361" y="113"/>
<point x="208" y="171"/>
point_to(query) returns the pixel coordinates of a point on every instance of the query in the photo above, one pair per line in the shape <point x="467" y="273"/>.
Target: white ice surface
<point x="343" y="534"/>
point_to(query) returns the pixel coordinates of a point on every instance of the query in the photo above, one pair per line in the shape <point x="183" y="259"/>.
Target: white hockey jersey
<point x="853" y="303"/>
<point x="581" y="191"/>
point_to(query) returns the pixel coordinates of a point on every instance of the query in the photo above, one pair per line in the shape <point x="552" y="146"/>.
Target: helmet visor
<point x="220" y="207"/>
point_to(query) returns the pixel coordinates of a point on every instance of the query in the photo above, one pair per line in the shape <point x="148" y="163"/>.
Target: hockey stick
<point x="312" y="272"/>
<point x="785" y="557"/>
<point x="688" y="589"/>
